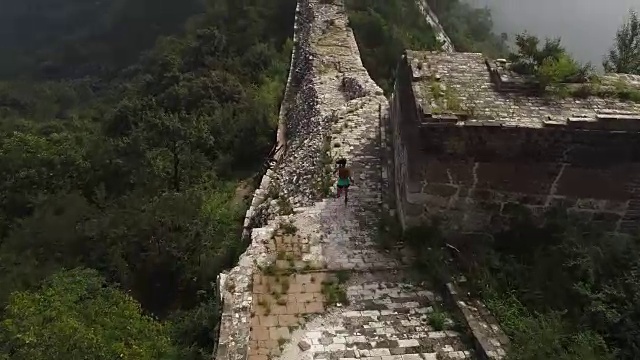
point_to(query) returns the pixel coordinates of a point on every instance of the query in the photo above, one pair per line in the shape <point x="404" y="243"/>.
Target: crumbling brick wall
<point x="467" y="172"/>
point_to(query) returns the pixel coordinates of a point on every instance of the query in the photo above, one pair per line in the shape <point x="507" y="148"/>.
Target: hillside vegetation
<point x="470" y="29"/>
<point x="62" y="38"/>
<point x="560" y="290"/>
<point x="118" y="205"/>
<point x="384" y="29"/>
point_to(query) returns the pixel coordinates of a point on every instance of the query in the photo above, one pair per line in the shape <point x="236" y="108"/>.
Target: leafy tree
<point x="54" y="236"/>
<point x="559" y="70"/>
<point x="549" y="64"/>
<point x="34" y="163"/>
<point x="174" y="245"/>
<point x="624" y="56"/>
<point x="194" y="330"/>
<point x="76" y="315"/>
<point x="168" y="145"/>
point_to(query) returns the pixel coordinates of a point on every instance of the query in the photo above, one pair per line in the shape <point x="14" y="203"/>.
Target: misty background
<point x="587" y="27"/>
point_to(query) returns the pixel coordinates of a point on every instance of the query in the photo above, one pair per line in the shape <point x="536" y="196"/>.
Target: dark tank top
<point x="343" y="173"/>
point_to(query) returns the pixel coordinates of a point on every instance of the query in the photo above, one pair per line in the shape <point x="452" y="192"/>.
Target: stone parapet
<point x="432" y="19"/>
<point x="235" y="286"/>
<point x="470" y="87"/>
<point x="602" y="120"/>
<point x="490" y="341"/>
<point x="237" y="301"/>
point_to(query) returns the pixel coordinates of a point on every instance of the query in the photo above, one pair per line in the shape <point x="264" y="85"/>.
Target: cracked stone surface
<point x="386" y="319"/>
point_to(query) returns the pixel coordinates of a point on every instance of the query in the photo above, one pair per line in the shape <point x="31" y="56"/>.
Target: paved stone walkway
<point x="331" y="294"/>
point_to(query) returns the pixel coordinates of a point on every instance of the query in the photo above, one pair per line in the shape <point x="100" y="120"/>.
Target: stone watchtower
<point x="470" y="138"/>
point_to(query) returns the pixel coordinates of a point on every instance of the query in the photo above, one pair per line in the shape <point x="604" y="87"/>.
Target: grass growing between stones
<point x="617" y="90"/>
<point x="333" y="289"/>
<point x="558" y="288"/>
<point x="283" y="203"/>
<point x="445" y="99"/>
<point x="288" y="292"/>
<point x="284" y="206"/>
<point x="284" y="294"/>
<point x="289" y="228"/>
<point x="437" y="320"/>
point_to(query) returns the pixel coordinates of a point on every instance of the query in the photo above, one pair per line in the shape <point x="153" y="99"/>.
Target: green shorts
<point x="343" y="183"/>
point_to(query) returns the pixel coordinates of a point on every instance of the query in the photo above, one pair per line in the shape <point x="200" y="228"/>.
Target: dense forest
<point x="63" y="38"/>
<point x="121" y="153"/>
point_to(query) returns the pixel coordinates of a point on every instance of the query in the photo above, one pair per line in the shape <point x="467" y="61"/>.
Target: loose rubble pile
<point x="352" y="89"/>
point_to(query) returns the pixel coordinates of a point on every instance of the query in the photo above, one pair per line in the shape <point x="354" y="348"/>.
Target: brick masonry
<point x="496" y="148"/>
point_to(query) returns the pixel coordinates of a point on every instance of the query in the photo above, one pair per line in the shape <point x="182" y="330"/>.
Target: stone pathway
<point x="331" y="294"/>
<point x="324" y="299"/>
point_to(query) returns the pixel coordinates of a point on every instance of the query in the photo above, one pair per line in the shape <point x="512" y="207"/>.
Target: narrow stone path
<point x="331" y="294"/>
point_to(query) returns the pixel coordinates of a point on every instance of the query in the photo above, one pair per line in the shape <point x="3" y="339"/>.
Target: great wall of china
<point x="282" y="300"/>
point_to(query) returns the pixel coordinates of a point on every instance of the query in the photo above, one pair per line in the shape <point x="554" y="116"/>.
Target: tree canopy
<point x="624" y="56"/>
<point x="549" y="63"/>
<point x="76" y="315"/>
<point x="385" y="29"/>
<point x="127" y="168"/>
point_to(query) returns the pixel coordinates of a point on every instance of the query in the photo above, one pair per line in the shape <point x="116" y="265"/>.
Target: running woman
<point x="344" y="178"/>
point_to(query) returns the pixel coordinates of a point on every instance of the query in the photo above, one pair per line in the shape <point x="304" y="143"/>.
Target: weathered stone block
<point x="615" y="206"/>
<point x="413" y="209"/>
<point x="441" y="190"/>
<point x="579" y="216"/>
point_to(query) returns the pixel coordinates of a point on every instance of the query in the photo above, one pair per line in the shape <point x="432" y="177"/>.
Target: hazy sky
<point x="587" y="27"/>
